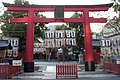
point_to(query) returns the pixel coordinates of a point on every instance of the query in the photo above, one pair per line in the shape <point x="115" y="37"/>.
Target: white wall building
<point x="110" y="41"/>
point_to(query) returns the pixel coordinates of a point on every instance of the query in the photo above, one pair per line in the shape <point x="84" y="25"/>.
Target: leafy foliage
<point x="79" y="31"/>
<point x="62" y="27"/>
<point x="18" y="30"/>
<point x="116" y="6"/>
<point x="115" y="22"/>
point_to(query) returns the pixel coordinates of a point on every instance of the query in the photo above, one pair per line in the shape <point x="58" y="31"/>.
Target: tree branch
<point x="115" y="28"/>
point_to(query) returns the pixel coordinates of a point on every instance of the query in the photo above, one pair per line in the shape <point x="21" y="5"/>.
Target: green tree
<point x="18" y="30"/>
<point x="117" y="6"/>
<point x="79" y="31"/>
<point x="62" y="27"/>
<point x="115" y="22"/>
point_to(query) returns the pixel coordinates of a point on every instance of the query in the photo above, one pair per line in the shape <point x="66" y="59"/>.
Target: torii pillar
<point x="89" y="59"/>
<point x="29" y="64"/>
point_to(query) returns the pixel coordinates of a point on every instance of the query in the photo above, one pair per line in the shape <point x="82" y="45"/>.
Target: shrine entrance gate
<point x="59" y="10"/>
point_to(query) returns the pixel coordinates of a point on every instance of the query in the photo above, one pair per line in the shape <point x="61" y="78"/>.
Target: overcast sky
<point x="94" y="27"/>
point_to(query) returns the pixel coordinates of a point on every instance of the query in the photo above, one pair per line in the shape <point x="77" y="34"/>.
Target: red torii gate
<point x="31" y="19"/>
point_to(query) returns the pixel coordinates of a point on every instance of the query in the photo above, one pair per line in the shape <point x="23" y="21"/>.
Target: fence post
<point x="66" y="71"/>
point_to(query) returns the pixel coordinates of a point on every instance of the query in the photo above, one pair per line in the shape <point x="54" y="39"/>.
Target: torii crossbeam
<point x="31" y="19"/>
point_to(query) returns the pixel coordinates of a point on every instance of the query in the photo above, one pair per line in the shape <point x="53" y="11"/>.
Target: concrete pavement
<point x="47" y="71"/>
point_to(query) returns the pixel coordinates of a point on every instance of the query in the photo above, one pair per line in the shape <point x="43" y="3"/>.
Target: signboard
<point x="49" y="43"/>
<point x="17" y="62"/>
<point x="59" y="38"/>
<point x="59" y="12"/>
<point x="118" y="61"/>
<point x="49" y="34"/>
<point x="105" y="43"/>
<point x="14" y="43"/>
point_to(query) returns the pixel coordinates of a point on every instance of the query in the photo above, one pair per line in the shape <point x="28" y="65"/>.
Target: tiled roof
<point x="51" y="6"/>
<point x="4" y="44"/>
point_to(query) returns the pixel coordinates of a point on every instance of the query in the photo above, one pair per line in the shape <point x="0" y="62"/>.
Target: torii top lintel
<point x="43" y="8"/>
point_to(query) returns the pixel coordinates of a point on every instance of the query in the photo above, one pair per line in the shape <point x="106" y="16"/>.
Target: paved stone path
<point x="47" y="71"/>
